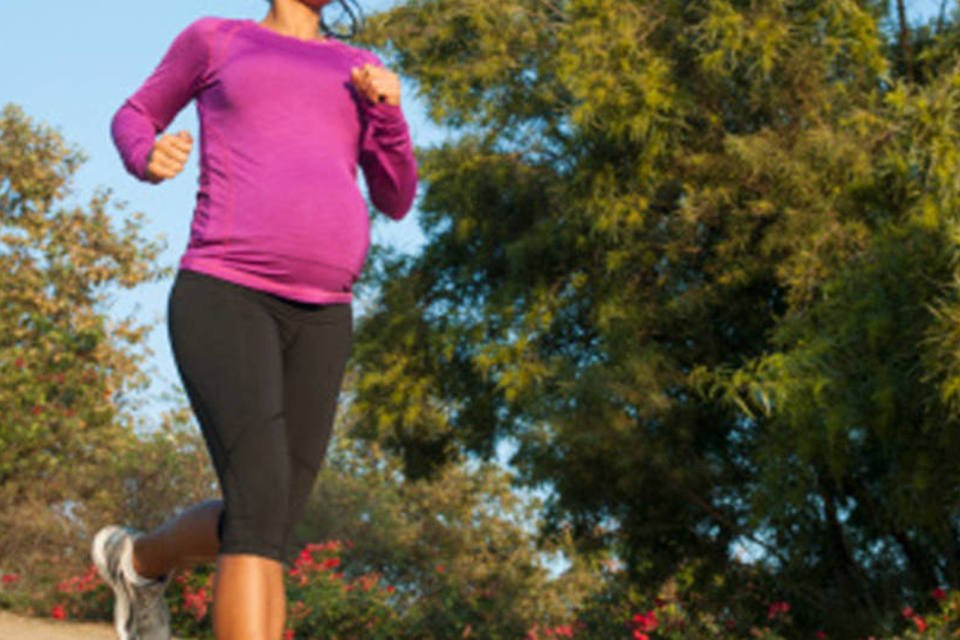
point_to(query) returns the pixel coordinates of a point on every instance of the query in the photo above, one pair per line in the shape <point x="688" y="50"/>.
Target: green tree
<point x="684" y="253"/>
<point x="69" y="458"/>
<point x="460" y="549"/>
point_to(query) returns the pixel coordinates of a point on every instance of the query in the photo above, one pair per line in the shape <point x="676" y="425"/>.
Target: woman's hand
<point x="377" y="83"/>
<point x="168" y="156"/>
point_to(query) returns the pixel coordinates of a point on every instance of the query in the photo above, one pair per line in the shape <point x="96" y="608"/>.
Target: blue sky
<point x="72" y="67"/>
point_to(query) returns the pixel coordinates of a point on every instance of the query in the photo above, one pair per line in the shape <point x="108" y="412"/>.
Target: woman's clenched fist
<point x="379" y="84"/>
<point x="168" y="156"/>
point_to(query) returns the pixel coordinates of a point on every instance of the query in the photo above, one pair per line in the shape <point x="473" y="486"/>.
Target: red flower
<point x="19" y="362"/>
<point x="195" y="601"/>
<point x="938" y="594"/>
<point x="391" y="588"/>
<point x="646" y="621"/>
<point x="820" y="635"/>
<point x="10" y="577"/>
<point x="921" y="623"/>
<point x="637" y="635"/>
<point x="907" y="612"/>
<point x="288" y="634"/>
<point x="440" y="568"/>
<point x="58" y="612"/>
<point x="777" y="608"/>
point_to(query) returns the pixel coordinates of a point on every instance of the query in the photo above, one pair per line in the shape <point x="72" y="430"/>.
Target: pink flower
<point x="646" y="621"/>
<point x="907" y="612"/>
<point x="777" y="608"/>
<point x="195" y="601"/>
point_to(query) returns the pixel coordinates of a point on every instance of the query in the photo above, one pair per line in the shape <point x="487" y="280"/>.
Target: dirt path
<point x="17" y="627"/>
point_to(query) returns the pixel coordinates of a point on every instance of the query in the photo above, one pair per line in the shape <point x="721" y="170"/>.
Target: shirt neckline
<point x="256" y="27"/>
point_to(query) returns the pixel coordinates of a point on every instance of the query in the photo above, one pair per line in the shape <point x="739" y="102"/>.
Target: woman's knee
<point x="254" y="519"/>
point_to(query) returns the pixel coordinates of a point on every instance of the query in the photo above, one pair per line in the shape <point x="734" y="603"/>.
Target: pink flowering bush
<point x="49" y="593"/>
<point x="190" y="597"/>
<point x="323" y="603"/>
<point x="939" y="618"/>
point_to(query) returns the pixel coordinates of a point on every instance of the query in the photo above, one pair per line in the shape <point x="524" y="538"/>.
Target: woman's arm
<point x="386" y="155"/>
<point x="180" y="75"/>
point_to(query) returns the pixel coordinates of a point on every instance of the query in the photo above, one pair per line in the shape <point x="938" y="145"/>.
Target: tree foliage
<point x="698" y="259"/>
<point x="460" y="549"/>
<point x="69" y="456"/>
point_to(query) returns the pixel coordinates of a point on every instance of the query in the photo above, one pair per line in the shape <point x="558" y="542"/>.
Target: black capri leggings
<point x="263" y="375"/>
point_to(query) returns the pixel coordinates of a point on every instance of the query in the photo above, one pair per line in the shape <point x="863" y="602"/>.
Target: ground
<point x="17" y="627"/>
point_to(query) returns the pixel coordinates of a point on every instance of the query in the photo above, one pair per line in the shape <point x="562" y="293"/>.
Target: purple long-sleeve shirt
<point x="282" y="130"/>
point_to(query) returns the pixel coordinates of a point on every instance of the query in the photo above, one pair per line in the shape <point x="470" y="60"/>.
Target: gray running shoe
<point x="139" y="612"/>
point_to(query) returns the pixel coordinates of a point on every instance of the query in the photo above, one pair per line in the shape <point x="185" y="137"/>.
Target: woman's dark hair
<point x="356" y="20"/>
<point x="336" y="30"/>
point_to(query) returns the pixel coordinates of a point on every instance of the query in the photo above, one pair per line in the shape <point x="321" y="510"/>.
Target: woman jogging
<point x="259" y="315"/>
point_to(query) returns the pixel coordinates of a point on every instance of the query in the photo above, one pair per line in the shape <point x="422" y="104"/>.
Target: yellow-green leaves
<point x="683" y="253"/>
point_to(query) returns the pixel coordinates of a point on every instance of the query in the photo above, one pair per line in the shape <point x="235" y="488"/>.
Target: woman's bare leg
<point x="277" y="606"/>
<point x="188" y="539"/>
<point x="249" y="601"/>
<point x="243" y="589"/>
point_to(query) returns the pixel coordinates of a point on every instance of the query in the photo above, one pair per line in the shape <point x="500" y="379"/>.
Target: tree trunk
<point x="905" y="40"/>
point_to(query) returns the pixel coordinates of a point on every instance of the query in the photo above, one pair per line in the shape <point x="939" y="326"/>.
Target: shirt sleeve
<point x="386" y="154"/>
<point x="180" y="75"/>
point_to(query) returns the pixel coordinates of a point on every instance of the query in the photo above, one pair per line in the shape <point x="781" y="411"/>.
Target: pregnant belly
<point x="329" y="227"/>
